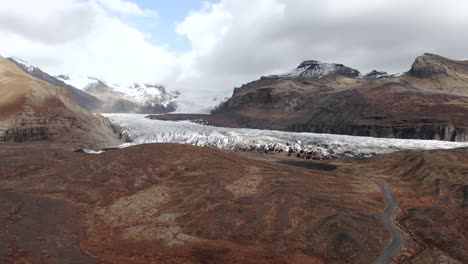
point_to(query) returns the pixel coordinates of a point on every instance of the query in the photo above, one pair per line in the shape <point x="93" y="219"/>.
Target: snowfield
<point x="142" y="130"/>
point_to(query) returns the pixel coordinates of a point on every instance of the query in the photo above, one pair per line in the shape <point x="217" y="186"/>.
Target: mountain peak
<point x="317" y="69"/>
<point x="313" y="69"/>
<point x="429" y="65"/>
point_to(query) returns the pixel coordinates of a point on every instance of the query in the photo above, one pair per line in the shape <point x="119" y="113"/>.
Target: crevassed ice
<point x="142" y="130"/>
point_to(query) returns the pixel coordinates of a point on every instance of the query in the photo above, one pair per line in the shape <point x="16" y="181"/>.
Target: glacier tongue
<point x="142" y="130"/>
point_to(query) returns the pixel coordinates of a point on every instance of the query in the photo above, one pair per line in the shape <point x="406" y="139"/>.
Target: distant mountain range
<point x="312" y="69"/>
<point x="96" y="95"/>
<point x="430" y="101"/>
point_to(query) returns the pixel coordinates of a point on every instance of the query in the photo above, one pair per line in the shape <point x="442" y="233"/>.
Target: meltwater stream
<point x="142" y="130"/>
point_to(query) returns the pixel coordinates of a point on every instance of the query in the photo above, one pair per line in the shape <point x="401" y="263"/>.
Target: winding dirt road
<point x="397" y="237"/>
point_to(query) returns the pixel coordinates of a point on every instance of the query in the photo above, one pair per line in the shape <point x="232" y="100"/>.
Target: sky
<point x="205" y="49"/>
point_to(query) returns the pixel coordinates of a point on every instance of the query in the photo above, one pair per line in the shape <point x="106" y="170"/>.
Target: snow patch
<point x="90" y="151"/>
<point x="26" y="65"/>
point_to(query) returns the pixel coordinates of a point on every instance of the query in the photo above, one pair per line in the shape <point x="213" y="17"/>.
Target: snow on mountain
<point x="77" y="81"/>
<point x="147" y="93"/>
<point x="142" y="130"/>
<point x="28" y="67"/>
<point x="312" y="69"/>
<point x="152" y="98"/>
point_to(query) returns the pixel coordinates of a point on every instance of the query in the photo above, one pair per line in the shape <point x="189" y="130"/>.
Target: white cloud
<point x="233" y="41"/>
<point x="236" y="41"/>
<point x="47" y="21"/>
<point x="91" y="41"/>
<point x="126" y="8"/>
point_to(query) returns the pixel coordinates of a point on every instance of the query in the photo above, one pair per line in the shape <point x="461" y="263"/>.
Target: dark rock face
<point x="429" y="131"/>
<point x="423" y="68"/>
<point x="121" y="132"/>
<point x="24" y="134"/>
<point x="376" y="74"/>
<point x="376" y="104"/>
<point x="83" y="99"/>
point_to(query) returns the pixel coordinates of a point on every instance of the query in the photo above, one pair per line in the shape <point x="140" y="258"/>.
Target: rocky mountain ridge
<point x="430" y="101"/>
<point x="34" y="110"/>
<point x="97" y="95"/>
<point x="83" y="99"/>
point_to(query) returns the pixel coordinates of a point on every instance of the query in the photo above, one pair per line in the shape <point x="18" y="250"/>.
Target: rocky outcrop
<point x="376" y="74"/>
<point x="430" y="65"/>
<point x="121" y="132"/>
<point x="24" y="134"/>
<point x="428" y="102"/>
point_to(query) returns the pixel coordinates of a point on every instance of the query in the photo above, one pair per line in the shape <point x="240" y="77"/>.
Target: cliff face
<point x="428" y="102"/>
<point x="33" y="110"/>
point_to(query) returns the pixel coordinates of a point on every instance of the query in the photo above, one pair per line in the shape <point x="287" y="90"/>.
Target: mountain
<point x="34" y="110"/>
<point x="126" y="98"/>
<point x="96" y="95"/>
<point x="312" y="69"/>
<point x="438" y="74"/>
<point x="430" y="101"/>
<point x="83" y="99"/>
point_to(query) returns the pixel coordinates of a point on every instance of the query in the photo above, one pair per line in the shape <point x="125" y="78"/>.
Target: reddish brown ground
<point x="180" y="204"/>
<point x="432" y="189"/>
<point x="166" y="203"/>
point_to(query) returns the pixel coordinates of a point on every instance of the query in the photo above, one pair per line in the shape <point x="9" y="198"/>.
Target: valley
<point x="379" y="177"/>
<point x="233" y="132"/>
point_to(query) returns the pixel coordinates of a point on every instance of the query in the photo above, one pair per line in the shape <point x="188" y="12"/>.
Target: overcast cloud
<point x="233" y="41"/>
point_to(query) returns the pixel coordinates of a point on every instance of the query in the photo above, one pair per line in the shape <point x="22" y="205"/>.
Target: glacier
<point x="141" y="130"/>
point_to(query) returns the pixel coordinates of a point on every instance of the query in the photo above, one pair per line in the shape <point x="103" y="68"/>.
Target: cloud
<point x="232" y="41"/>
<point x="80" y="37"/>
<point x="126" y="8"/>
<point x="47" y="21"/>
<point x="270" y="34"/>
<point x="236" y="41"/>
